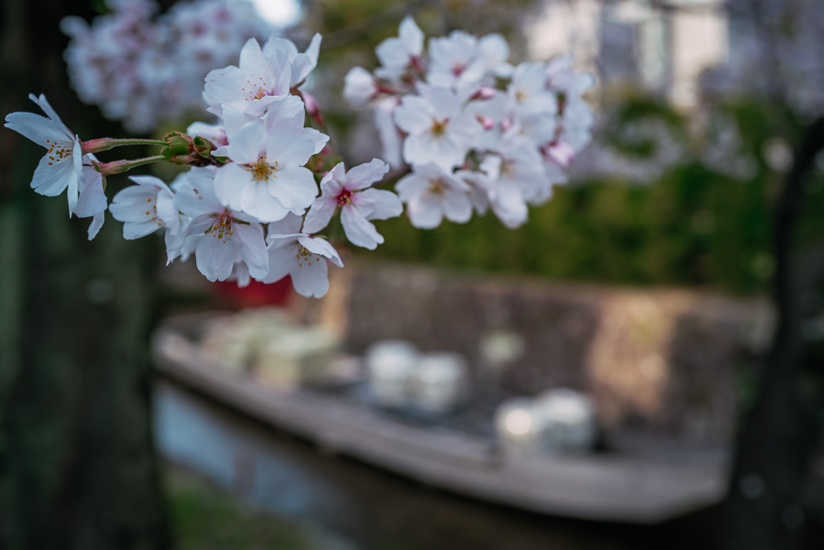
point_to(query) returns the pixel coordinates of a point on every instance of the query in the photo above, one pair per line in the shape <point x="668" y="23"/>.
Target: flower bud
<point x="202" y="146"/>
<point x="177" y="144"/>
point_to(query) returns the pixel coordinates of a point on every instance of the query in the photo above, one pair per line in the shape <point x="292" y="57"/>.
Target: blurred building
<point x="663" y="45"/>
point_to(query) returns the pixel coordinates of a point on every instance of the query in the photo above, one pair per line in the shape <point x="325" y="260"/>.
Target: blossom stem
<point x="120" y="166"/>
<point x="104" y="144"/>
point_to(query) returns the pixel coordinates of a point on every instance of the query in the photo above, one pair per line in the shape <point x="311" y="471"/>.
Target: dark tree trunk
<point x="77" y="464"/>
<point x="782" y="431"/>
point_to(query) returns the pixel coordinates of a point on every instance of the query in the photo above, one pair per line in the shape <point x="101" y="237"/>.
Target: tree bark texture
<point x="77" y="464"/>
<point x="781" y="433"/>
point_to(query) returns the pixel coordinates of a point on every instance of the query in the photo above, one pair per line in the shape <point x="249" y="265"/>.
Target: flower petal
<point x="381" y="204"/>
<point x="320" y="214"/>
<point x="358" y="230"/>
<point x="294" y="187"/>
<point x="215" y="257"/>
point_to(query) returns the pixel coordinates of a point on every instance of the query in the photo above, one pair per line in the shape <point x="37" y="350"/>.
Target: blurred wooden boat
<point x="615" y="487"/>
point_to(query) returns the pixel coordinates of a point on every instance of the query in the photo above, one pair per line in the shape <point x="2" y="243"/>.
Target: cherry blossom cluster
<point x="477" y="133"/>
<point x="143" y="69"/>
<point x="256" y="197"/>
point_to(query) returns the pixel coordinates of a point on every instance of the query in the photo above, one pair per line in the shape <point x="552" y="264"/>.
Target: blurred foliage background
<point x="692" y="226"/>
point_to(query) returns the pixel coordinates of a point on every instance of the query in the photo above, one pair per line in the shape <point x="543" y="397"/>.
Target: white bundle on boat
<point x="389" y="364"/>
<point x="438" y="383"/>
<point x="402" y="378"/>
<point x="558" y="420"/>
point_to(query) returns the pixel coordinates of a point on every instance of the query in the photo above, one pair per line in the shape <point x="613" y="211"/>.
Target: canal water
<point x="355" y="506"/>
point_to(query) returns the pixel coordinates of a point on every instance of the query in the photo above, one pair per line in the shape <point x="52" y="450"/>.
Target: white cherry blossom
<point x="301" y="64"/>
<point x="506" y="200"/>
<point x="398" y="54"/>
<point x="359" y="87"/>
<point x="351" y="192"/>
<point x="60" y="168"/>
<point x="220" y="236"/>
<point x="439" y="130"/>
<point x="455" y="61"/>
<point x="266" y="178"/>
<point x="144" y="208"/>
<point x="254" y="84"/>
<point x="301" y="256"/>
<point x="431" y="193"/>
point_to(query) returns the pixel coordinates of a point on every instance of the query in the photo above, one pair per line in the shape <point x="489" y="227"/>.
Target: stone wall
<point x="660" y="361"/>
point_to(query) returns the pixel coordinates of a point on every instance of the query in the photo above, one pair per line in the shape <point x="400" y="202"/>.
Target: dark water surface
<point x="364" y="507"/>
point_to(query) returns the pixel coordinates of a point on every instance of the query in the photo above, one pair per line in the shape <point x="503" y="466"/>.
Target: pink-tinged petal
<point x="444" y="103"/>
<point x="332" y="181"/>
<point x="167" y="211"/>
<point x="73" y="191"/>
<point x="199" y="225"/>
<point x="424" y="148"/>
<point x="320" y="214"/>
<point x="424" y="213"/>
<point x="44" y="104"/>
<point x="303" y="63"/>
<point x="215" y="257"/>
<point x="509" y="207"/>
<point x="364" y="175"/>
<point x="311" y="280"/>
<point x="257" y="201"/>
<point x="411" y="186"/>
<point x="52" y="180"/>
<point x="358" y="230"/>
<point x="136" y="230"/>
<point x="294" y="187"/>
<point x="392" y="53"/>
<point x="465" y="129"/>
<point x="359" y="87"/>
<point x="230" y="181"/>
<point x="318" y="138"/>
<point x="252" y="58"/>
<point x="313" y="51"/>
<point x="77" y="157"/>
<point x="281" y="262"/>
<point x="247" y="144"/>
<point x="321" y="247"/>
<point x="279" y="46"/>
<point x="381" y="204"/>
<point x="411" y="36"/>
<point x="286" y="111"/>
<point x="494" y="47"/>
<point x="151" y="182"/>
<point x="259" y="107"/>
<point x="412" y="115"/>
<point x="252" y="248"/>
<point x="457" y="207"/>
<point x="92" y="199"/>
<point x="233" y="120"/>
<point x="38" y="128"/>
<point x="277" y="79"/>
<point x="196" y="197"/>
<point x="240" y="273"/>
<point x="289" y="146"/>
<point x="226" y="85"/>
<point x="187" y="250"/>
<point x="290" y="225"/>
<point x="131" y="204"/>
<point x="97" y="223"/>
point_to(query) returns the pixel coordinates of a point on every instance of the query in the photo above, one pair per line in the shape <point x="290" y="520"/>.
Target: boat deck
<point x="615" y="487"/>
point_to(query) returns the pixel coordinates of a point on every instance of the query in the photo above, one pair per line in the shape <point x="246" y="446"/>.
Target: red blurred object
<point x="256" y="294"/>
